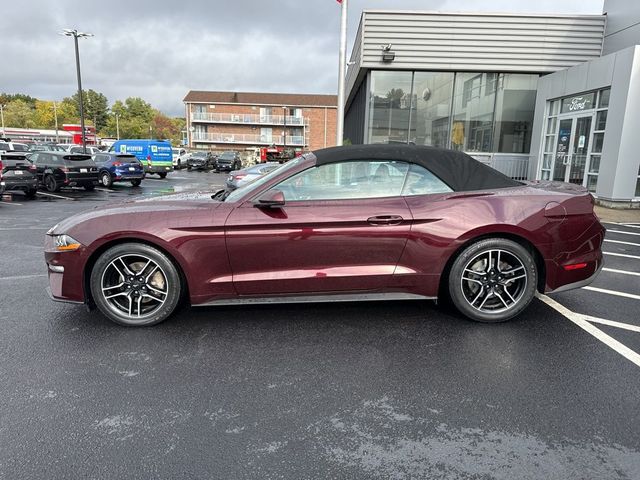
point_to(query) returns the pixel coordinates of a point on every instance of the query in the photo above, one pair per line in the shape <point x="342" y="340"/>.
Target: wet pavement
<point x="355" y="390"/>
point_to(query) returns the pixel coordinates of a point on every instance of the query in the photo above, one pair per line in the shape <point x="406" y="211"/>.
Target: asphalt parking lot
<point x="366" y="390"/>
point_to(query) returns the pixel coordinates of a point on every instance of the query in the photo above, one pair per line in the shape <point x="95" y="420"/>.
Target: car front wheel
<point x="136" y="183"/>
<point x="135" y="284"/>
<point x="162" y="174"/>
<point x="493" y="280"/>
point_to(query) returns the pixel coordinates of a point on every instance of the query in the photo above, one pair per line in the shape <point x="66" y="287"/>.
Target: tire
<point x="162" y="174"/>
<point x="493" y="294"/>
<point x="179" y="165"/>
<point x="151" y="297"/>
<point x="51" y="184"/>
<point x="136" y="183"/>
<point x="189" y="168"/>
<point x="31" y="194"/>
<point x="89" y="188"/>
<point x="106" y="180"/>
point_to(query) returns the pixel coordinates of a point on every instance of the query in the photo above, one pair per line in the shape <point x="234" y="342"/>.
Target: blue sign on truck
<point x="155" y="155"/>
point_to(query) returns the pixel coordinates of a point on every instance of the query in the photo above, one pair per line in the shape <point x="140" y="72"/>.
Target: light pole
<point x="341" y="71"/>
<point x="76" y="34"/>
<point x="117" y="126"/>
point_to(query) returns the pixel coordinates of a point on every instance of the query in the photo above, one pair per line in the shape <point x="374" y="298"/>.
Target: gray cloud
<point x="159" y="50"/>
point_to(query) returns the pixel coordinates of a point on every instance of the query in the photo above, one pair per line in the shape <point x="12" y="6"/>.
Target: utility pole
<point x="76" y="34"/>
<point x="55" y="116"/>
<point x="117" y="127"/>
<point x="2" y="116"/>
<point x="341" y="71"/>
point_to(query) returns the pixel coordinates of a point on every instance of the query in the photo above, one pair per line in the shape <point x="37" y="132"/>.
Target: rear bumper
<point x="10" y="184"/>
<point x="158" y="168"/>
<point x="579" y="283"/>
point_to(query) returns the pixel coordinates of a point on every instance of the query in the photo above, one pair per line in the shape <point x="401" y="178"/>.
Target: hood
<point x="177" y="204"/>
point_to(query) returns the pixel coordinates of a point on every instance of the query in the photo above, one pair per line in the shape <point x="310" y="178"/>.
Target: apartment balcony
<point x="248" y="139"/>
<point x="249" y="119"/>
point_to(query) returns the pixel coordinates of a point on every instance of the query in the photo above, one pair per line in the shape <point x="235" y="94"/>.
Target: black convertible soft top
<point x="457" y="169"/>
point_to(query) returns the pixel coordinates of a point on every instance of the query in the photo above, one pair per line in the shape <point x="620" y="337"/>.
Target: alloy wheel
<point x="494" y="281"/>
<point x="134" y="286"/>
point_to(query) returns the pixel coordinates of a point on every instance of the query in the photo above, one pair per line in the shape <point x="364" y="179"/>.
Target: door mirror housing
<point x="271" y="199"/>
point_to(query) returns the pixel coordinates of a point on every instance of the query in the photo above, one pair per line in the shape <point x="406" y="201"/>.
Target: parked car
<point x="17" y="174"/>
<point x="228" y="161"/>
<point x="359" y="222"/>
<point x="90" y="149"/>
<point x="201" y="161"/>
<point x="61" y="169"/>
<point x="45" y="147"/>
<point x="6" y="145"/>
<point x="179" y="157"/>
<point x="118" y="167"/>
<point x="155" y="155"/>
<point x="239" y="178"/>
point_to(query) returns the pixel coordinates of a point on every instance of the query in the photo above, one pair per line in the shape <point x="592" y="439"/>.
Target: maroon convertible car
<point x="347" y="223"/>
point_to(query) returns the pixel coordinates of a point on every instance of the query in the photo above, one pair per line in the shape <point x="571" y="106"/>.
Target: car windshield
<point x="200" y="154"/>
<point x="227" y="156"/>
<point x="250" y="187"/>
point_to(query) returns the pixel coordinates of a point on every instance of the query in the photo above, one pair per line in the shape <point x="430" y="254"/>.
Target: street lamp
<point x="2" y="116"/>
<point x="76" y="34"/>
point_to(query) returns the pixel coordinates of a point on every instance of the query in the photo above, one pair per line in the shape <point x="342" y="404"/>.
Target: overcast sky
<point x="160" y="49"/>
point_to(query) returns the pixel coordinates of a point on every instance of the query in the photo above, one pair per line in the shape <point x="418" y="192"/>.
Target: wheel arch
<point x="507" y="235"/>
<point x="93" y="258"/>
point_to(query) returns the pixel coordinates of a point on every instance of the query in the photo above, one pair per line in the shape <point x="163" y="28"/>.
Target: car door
<point x="342" y="228"/>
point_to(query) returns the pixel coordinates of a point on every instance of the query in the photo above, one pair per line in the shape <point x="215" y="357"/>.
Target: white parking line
<point x="623" y="272"/>
<point x="155" y="180"/>
<point x="622" y="255"/>
<point x="104" y="190"/>
<point x="623" y="243"/>
<point x="3" y="202"/>
<point x="5" y="229"/>
<point x="53" y="195"/>
<point x="592" y="330"/>
<point x="23" y="277"/>
<point x="611" y="323"/>
<point x="625" y="233"/>
<point x="628" y="224"/>
<point x="613" y="292"/>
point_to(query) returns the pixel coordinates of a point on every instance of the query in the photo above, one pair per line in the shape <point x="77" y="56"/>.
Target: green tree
<point x="96" y="107"/>
<point x="43" y="115"/>
<point x="19" y="114"/>
<point x="5" y="98"/>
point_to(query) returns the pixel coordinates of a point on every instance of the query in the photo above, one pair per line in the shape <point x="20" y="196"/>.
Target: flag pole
<point x="341" y="71"/>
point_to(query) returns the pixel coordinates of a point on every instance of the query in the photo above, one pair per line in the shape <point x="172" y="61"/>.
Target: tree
<point x="5" y="98"/>
<point x="43" y="115"/>
<point x="19" y="114"/>
<point x="96" y="107"/>
<point x="394" y="96"/>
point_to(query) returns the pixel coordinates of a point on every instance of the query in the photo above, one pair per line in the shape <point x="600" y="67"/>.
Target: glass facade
<point x="469" y="111"/>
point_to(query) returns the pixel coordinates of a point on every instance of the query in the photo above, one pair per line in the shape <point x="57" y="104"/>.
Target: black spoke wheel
<point x="136" y="183"/>
<point x="135" y="285"/>
<point x="493" y="280"/>
<point x="51" y="184"/>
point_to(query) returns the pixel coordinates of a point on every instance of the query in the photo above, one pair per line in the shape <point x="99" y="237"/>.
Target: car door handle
<point x="385" y="220"/>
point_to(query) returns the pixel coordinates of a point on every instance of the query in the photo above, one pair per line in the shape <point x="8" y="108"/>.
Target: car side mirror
<point x="271" y="199"/>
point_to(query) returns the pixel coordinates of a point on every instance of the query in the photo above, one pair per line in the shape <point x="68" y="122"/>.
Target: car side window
<point x="421" y="181"/>
<point x="347" y="180"/>
<point x="99" y="158"/>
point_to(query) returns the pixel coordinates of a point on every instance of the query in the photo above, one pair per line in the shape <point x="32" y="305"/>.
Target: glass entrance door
<point x="572" y="149"/>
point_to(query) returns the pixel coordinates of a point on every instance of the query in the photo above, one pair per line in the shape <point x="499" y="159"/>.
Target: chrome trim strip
<point x="339" y="297"/>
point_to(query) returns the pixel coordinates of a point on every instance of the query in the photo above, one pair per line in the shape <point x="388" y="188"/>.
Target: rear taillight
<point x="117" y="164"/>
<point x="65" y="169"/>
<point x="239" y="177"/>
<point x="32" y="168"/>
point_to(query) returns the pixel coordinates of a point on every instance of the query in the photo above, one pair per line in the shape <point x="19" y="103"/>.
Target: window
<point x="421" y="181"/>
<point x="390" y="106"/>
<point x="595" y="158"/>
<point x="431" y="108"/>
<point x="551" y="130"/>
<point x="347" y="180"/>
<point x="515" y="106"/>
<point x="473" y="114"/>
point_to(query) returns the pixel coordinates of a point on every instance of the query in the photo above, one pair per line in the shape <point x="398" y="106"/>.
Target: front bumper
<point x="224" y="167"/>
<point x="66" y="285"/>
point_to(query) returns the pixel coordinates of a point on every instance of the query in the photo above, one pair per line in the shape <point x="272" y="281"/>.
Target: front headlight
<point x="65" y="243"/>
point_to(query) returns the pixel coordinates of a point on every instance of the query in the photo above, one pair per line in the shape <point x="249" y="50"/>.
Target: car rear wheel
<point x="136" y="183"/>
<point x="106" y="180"/>
<point x="162" y="174"/>
<point x="51" y="184"/>
<point x="493" y="280"/>
<point x="135" y="284"/>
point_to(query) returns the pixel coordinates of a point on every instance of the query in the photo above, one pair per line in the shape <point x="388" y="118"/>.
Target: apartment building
<point x="249" y="120"/>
